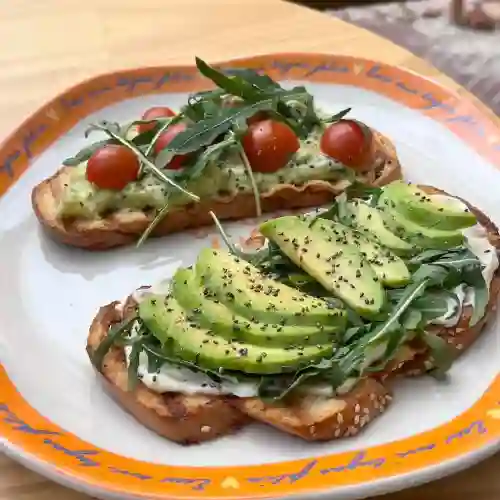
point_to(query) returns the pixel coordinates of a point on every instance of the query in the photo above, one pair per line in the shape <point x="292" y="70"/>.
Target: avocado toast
<point x="247" y="147"/>
<point x="308" y="332"/>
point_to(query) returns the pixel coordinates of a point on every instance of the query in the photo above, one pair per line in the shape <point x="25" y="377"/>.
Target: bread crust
<point x="186" y="419"/>
<point x="125" y="226"/>
<point x="322" y="418"/>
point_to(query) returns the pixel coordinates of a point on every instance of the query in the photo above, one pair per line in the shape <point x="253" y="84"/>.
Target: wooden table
<point x="38" y="61"/>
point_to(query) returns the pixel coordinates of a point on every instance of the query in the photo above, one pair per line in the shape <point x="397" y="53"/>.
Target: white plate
<point x="50" y="293"/>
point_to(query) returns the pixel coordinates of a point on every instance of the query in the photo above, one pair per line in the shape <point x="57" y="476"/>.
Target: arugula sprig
<point x="293" y="106"/>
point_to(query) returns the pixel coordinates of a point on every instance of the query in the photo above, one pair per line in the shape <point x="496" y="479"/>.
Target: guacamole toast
<point x="309" y="332"/>
<point x="234" y="151"/>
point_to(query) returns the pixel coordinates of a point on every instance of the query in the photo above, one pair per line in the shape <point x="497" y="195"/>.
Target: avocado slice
<point x="369" y="221"/>
<point x="214" y="315"/>
<point x="426" y="210"/>
<point x="246" y="291"/>
<point x="423" y="237"/>
<point x="166" y="319"/>
<point x="389" y="268"/>
<point x="338" y="267"/>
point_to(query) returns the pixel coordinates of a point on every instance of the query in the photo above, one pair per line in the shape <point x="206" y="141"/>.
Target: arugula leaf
<point x="204" y="132"/>
<point x="412" y="318"/>
<point x="327" y="370"/>
<point x="360" y="190"/>
<point x="85" y="153"/>
<point x="338" y="211"/>
<point x="133" y="365"/>
<point x="224" y="235"/>
<point x="435" y="304"/>
<point x="261" y="81"/>
<point x="234" y="85"/>
<point x="432" y="274"/>
<point x="337" y="117"/>
<point x="330" y="214"/>
<point x="210" y="154"/>
<point x="142" y="139"/>
<point x="427" y="257"/>
<point x="355" y="333"/>
<point x="474" y="278"/>
<point x="276" y="388"/>
<point x="410" y="294"/>
<point x="343" y="209"/>
<point x="203" y="105"/>
<point x="158" y="218"/>
<point x="115" y="333"/>
<point x="440" y="352"/>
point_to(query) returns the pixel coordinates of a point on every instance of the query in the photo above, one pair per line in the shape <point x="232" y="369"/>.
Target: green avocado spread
<point x="226" y="177"/>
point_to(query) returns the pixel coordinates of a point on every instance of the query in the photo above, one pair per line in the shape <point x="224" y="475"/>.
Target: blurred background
<point x="460" y="37"/>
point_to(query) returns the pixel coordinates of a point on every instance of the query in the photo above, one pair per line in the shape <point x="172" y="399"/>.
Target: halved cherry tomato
<point x="269" y="144"/>
<point x="153" y="114"/>
<point x="164" y="140"/>
<point x="349" y="142"/>
<point x="112" y="167"/>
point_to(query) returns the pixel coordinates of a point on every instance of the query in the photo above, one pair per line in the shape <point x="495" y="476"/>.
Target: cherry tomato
<point x="349" y="142"/>
<point x="164" y="140"/>
<point x="152" y="114"/>
<point x="112" y="167"/>
<point x="269" y="144"/>
<point x="258" y="117"/>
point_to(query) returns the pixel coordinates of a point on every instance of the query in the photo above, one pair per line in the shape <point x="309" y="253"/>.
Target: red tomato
<point x="349" y="142"/>
<point x="112" y="167"/>
<point x="269" y="144"/>
<point x="258" y="117"/>
<point x="152" y="114"/>
<point x="164" y="140"/>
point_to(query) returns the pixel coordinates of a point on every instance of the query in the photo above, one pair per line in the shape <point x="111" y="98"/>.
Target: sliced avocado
<point x="186" y="339"/>
<point x="423" y="237"/>
<point x="246" y="291"/>
<point x="340" y="268"/>
<point x="214" y="315"/>
<point x="389" y="268"/>
<point x="424" y="209"/>
<point x="369" y="221"/>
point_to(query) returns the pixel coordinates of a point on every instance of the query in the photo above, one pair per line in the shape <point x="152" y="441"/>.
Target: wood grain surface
<point x="48" y="45"/>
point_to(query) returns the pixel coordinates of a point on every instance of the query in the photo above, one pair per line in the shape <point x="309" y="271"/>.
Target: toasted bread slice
<point x="321" y="418"/>
<point x="189" y="419"/>
<point x="461" y="336"/>
<point x="186" y="419"/>
<point x="125" y="226"/>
